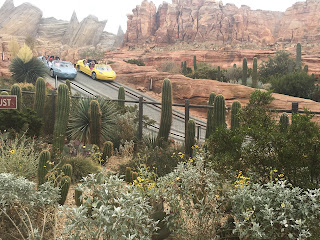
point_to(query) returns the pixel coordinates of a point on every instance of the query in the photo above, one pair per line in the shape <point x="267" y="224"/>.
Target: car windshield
<point x="63" y="65"/>
<point x="103" y="68"/>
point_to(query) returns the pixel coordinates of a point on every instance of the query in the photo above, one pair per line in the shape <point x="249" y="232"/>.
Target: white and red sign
<point x="8" y="102"/>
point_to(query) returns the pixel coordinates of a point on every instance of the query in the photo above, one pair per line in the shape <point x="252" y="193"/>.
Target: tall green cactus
<point x="44" y="166"/>
<point x="107" y="150"/>
<point x="77" y="197"/>
<point x="40" y="97"/>
<point x="284" y="122"/>
<point x="4" y="93"/>
<point x="190" y="137"/>
<point x="16" y="90"/>
<point x="68" y="83"/>
<point x="62" y="116"/>
<point x="244" y="72"/>
<point x="219" y="74"/>
<point x="195" y="63"/>
<point x="219" y="112"/>
<point x="67" y="170"/>
<point x="121" y="96"/>
<point x="298" y="57"/>
<point x="166" y="111"/>
<point x="306" y="68"/>
<point x="184" y="70"/>
<point x="95" y="123"/>
<point x="64" y="189"/>
<point x="209" y="129"/>
<point x="128" y="175"/>
<point x="235" y="120"/>
<point x="255" y="73"/>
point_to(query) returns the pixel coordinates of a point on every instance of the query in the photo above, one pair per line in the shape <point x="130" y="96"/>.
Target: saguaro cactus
<point x="43" y="167"/>
<point x="195" y="63"/>
<point x="64" y="189"/>
<point x="235" y="120"/>
<point x="210" y="115"/>
<point x="190" y="137"/>
<point x="40" y="98"/>
<point x="77" y="197"/>
<point x="255" y="73"/>
<point x="62" y="115"/>
<point x="67" y="170"/>
<point x="95" y="123"/>
<point x="121" y="96"/>
<point x="68" y="83"/>
<point x="284" y="121"/>
<point x="107" y="150"/>
<point x="166" y="111"/>
<point x="16" y="90"/>
<point x="244" y="71"/>
<point x="298" y="57"/>
<point x="219" y="112"/>
<point x="219" y="74"/>
<point x="128" y="176"/>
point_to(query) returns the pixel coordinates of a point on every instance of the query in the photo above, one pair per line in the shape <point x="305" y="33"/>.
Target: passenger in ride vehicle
<point x="92" y="65"/>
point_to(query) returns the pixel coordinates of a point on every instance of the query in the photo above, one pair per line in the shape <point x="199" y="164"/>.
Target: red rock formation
<point x="210" y="20"/>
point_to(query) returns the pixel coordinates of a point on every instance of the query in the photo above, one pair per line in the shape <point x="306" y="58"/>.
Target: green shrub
<point x="136" y="61"/>
<point x="204" y="71"/>
<point x="118" y="210"/>
<point x="18" y="122"/>
<point x="81" y="167"/>
<point x="26" y="213"/>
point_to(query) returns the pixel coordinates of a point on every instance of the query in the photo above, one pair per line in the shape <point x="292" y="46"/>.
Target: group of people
<point x="48" y="59"/>
<point x="91" y="64"/>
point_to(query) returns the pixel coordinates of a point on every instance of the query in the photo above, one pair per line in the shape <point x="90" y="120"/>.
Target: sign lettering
<point x="8" y="102"/>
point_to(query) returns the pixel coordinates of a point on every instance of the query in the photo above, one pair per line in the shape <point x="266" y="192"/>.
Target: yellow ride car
<point x="95" y="70"/>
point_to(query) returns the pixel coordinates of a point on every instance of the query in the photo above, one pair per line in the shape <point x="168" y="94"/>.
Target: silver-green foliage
<point x="118" y="210"/>
<point x="30" y="212"/>
<point x="79" y="123"/>
<point x="18" y="156"/>
<point x="276" y="210"/>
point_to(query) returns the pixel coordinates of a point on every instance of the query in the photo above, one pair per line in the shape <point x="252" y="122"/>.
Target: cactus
<point x="190" y="137"/>
<point x="4" y="93"/>
<point x="298" y="57"/>
<point x="219" y="112"/>
<point x="68" y="83"/>
<point x="284" y="121"/>
<point x="235" y="120"/>
<point x="255" y="73"/>
<point x="184" y="69"/>
<point x="128" y="176"/>
<point x="210" y="115"/>
<point x="107" y="150"/>
<point x="16" y="90"/>
<point x="219" y="74"/>
<point x="62" y="115"/>
<point x="195" y="63"/>
<point x="43" y="167"/>
<point x="77" y="197"/>
<point x="166" y="111"/>
<point x="244" y="72"/>
<point x="95" y="123"/>
<point x="40" y="97"/>
<point x="64" y="189"/>
<point x="134" y="176"/>
<point x="306" y="68"/>
<point x="67" y="170"/>
<point x="121" y="96"/>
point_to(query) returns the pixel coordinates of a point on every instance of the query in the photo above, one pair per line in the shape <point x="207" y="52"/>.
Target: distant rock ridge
<point x="210" y="20"/>
<point x="26" y="20"/>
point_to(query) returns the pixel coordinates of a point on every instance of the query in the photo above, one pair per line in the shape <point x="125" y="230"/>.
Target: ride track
<point x="85" y="85"/>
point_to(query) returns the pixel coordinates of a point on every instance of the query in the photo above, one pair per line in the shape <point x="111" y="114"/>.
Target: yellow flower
<point x="139" y="179"/>
<point x="177" y="178"/>
<point x="83" y="147"/>
<point x="12" y="151"/>
<point x="283" y="205"/>
<point x="281" y="175"/>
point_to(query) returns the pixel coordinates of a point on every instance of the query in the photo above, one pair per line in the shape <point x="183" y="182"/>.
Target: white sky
<point x="115" y="10"/>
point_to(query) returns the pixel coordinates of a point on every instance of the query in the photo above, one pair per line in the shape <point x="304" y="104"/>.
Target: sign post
<point x="8" y="102"/>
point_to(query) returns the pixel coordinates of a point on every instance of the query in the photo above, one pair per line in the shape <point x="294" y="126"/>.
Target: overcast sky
<point x="115" y="11"/>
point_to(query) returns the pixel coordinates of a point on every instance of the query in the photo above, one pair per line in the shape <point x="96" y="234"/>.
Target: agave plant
<point x="79" y="124"/>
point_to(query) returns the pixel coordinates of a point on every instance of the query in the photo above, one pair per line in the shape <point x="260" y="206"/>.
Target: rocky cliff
<point x="26" y="20"/>
<point x="211" y="20"/>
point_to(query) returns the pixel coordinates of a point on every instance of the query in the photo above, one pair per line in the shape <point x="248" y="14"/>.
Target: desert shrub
<point x="27" y="98"/>
<point x="275" y="210"/>
<point x="19" y="156"/>
<point x="279" y="65"/>
<point x="110" y="210"/>
<point x="15" y="121"/>
<point x="298" y="84"/>
<point x="26" y="213"/>
<point x="315" y="96"/>
<point x="233" y="74"/>
<point x="204" y="71"/>
<point x="170" y="67"/>
<point x="82" y="166"/>
<point x="136" y="61"/>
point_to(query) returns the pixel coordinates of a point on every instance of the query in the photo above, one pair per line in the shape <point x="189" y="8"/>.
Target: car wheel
<point x="78" y="68"/>
<point x="51" y="73"/>
<point x="94" y="76"/>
